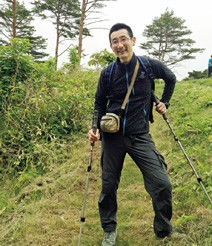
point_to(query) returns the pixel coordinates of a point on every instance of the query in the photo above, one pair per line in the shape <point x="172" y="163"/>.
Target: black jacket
<point x="135" y="119"/>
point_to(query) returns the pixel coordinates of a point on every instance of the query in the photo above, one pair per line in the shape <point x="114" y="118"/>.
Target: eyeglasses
<point x="122" y="40"/>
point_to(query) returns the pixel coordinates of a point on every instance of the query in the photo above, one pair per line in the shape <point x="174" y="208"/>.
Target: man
<point x="133" y="137"/>
<point x="210" y="67"/>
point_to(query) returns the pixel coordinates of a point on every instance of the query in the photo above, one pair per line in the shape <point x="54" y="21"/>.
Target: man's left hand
<point x="161" y="108"/>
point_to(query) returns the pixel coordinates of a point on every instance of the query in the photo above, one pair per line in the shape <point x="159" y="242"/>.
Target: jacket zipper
<point x="111" y="119"/>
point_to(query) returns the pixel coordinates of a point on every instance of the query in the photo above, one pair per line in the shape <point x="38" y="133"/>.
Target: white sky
<point x="138" y="14"/>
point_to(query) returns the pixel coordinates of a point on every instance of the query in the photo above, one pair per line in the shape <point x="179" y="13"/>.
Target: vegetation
<point x="15" y="23"/>
<point x="102" y="58"/>
<point x="44" y="154"/>
<point x="197" y="74"/>
<point x="167" y="36"/>
<point x="64" y="14"/>
<point x="167" y="39"/>
<point x="89" y="11"/>
<point x="44" y="151"/>
<point x="74" y="57"/>
<point x="40" y="109"/>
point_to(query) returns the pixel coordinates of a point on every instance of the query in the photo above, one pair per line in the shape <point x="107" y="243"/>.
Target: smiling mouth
<point x="122" y="52"/>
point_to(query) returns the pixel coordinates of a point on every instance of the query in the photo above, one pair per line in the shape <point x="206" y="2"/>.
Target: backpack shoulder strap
<point x="147" y="66"/>
<point x="148" y="69"/>
<point x="109" y="71"/>
<point x="108" y="76"/>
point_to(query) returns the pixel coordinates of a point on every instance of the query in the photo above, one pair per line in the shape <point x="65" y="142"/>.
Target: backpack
<point x="148" y="69"/>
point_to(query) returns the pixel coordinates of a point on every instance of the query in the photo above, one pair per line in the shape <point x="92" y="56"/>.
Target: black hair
<point x="119" y="26"/>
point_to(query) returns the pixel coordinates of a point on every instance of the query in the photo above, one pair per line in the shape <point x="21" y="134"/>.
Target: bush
<point x="46" y="109"/>
<point x="15" y="67"/>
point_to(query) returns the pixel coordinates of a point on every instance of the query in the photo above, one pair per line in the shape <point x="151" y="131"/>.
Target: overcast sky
<point x="138" y="14"/>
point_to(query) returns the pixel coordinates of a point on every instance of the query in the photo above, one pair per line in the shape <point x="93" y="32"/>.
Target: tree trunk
<point x="14" y="18"/>
<point x="81" y="28"/>
<point x="165" y="48"/>
<point x="57" y="42"/>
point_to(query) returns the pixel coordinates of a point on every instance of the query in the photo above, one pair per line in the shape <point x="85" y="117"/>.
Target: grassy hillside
<point x="47" y="210"/>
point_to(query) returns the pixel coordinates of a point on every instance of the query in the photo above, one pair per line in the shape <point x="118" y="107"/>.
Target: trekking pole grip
<point x="155" y="99"/>
<point x="95" y="120"/>
<point x="94" y="125"/>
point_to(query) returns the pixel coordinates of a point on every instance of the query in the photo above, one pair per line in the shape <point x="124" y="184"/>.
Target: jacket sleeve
<point x="101" y="97"/>
<point x="163" y="72"/>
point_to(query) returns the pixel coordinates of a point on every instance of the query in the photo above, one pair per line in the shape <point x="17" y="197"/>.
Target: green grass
<point x="47" y="211"/>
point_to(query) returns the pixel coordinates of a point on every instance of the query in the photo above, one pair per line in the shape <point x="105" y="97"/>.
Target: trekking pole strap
<point x="155" y="99"/>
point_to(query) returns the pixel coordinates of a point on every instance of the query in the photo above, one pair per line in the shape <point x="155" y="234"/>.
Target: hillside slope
<point x="47" y="212"/>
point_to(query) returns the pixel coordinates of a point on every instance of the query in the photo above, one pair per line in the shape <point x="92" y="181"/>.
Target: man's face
<point x="122" y="44"/>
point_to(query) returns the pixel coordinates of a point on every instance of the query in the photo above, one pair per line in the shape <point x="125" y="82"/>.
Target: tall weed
<point x="190" y="115"/>
<point x="46" y="111"/>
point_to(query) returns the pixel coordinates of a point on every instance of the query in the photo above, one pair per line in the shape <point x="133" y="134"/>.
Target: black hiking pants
<point x="209" y="71"/>
<point x="142" y="150"/>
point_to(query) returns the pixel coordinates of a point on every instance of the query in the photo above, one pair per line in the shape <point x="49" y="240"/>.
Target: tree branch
<point x="65" y="50"/>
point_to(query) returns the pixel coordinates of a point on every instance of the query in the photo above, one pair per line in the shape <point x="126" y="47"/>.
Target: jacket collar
<point x="130" y="64"/>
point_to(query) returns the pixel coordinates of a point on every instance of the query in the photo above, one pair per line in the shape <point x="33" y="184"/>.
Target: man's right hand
<point x="93" y="137"/>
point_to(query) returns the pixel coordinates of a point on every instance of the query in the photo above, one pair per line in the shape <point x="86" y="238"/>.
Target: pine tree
<point x="89" y="9"/>
<point x="64" y="14"/>
<point x="167" y="39"/>
<point x="15" y="22"/>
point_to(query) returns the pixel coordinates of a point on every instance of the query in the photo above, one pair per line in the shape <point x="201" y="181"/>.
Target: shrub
<point x="15" y="67"/>
<point x="46" y="110"/>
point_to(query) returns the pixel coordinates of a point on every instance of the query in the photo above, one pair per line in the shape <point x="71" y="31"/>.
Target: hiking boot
<point x="175" y="234"/>
<point x="109" y="238"/>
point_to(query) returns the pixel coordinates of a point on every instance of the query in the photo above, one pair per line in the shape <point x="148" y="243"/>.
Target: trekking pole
<point x="94" y="127"/>
<point x="199" y="179"/>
